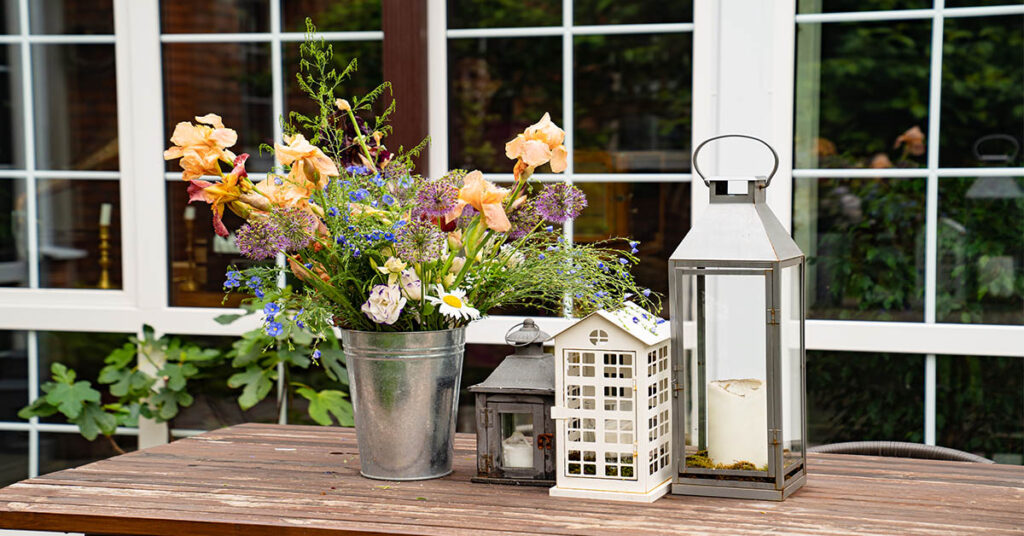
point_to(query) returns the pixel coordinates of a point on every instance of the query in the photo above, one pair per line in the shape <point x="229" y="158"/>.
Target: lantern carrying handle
<point x="707" y="183"/>
<point x="509" y="332"/>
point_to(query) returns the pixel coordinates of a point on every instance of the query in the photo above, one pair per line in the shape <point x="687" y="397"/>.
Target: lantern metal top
<point x="529" y="370"/>
<point x="736" y="227"/>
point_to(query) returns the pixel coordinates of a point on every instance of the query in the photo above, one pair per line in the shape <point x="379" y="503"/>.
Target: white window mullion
<point x="28" y="134"/>
<point x="277" y="112"/>
<point x="568" y="104"/>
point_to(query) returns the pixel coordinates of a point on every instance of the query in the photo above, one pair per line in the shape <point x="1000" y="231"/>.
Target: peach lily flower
<point x="286" y="194"/>
<point x="201" y="146"/>
<point x="486" y="198"/>
<point x="539" y="144"/>
<point x="220" y="194"/>
<point x="305" y="159"/>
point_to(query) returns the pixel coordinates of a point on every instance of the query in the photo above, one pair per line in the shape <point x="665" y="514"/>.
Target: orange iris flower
<point x="227" y="192"/>
<point x="202" y="146"/>
<point x="539" y="144"/>
<point x="486" y="198"/>
<point x="305" y="160"/>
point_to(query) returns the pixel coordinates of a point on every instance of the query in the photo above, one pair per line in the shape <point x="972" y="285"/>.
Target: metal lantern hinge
<point x="775" y="437"/>
<point x="488" y="463"/>
<point x="773" y="317"/>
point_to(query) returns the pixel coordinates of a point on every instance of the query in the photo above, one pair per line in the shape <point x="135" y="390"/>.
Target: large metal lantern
<point x="736" y="283"/>
<point x="514" y="430"/>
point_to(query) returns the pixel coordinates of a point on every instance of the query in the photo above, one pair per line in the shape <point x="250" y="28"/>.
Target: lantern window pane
<point x="790" y="355"/>
<point x="517" y="440"/>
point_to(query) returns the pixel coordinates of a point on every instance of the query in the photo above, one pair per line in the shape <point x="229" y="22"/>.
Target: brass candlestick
<point x="190" y="284"/>
<point x="105" y="258"/>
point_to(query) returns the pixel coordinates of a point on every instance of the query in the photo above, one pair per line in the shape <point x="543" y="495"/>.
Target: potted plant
<point x="398" y="262"/>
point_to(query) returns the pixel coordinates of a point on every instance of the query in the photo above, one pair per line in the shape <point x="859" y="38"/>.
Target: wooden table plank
<point x="255" y="480"/>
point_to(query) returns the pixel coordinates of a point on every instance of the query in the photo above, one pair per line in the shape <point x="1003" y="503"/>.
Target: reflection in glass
<point x="13" y="375"/>
<point x="75" y="107"/>
<point x="657" y="215"/>
<point x="13" y="233"/>
<point x="979" y="405"/>
<point x="64" y="451"/>
<point x="639" y="120"/>
<point x="982" y="77"/>
<point x="12" y="143"/>
<point x="82" y="352"/>
<point x="981" y="250"/>
<point x="369" y="75"/>
<point x="586" y="12"/>
<point x="835" y="6"/>
<point x="222" y="16"/>
<point x="199" y="258"/>
<point x="495" y="91"/>
<point x="864" y="397"/>
<point x="862" y="94"/>
<point x="13" y="457"/>
<point x="503" y="13"/>
<point x="9" y="17"/>
<point x="71" y="229"/>
<point x="238" y="90"/>
<point x="79" y="17"/>
<point x="864" y="241"/>
<point x="331" y="15"/>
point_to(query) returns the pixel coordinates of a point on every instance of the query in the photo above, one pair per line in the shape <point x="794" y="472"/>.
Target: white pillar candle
<point x="105" y="210"/>
<point x="738" y="422"/>
<point x="190" y="213"/>
<point x="516" y="451"/>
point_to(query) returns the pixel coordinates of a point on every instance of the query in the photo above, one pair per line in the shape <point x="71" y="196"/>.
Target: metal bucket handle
<point x="707" y="183"/>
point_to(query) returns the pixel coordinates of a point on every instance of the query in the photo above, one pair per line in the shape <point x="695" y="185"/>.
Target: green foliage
<point x="327" y="403"/>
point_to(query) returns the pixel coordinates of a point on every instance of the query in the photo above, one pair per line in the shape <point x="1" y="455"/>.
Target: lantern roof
<point x="528" y="370"/>
<point x="737" y="227"/>
<point x="634" y="321"/>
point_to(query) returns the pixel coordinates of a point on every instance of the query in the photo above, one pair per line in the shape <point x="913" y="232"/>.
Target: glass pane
<point x="369" y="75"/>
<point x="864" y="397"/>
<point x="199" y="258"/>
<point x="833" y="6"/>
<point x="79" y="17"/>
<point x="636" y="12"/>
<point x="640" y="121"/>
<point x="330" y="15"/>
<point x="982" y="76"/>
<point x="9" y="17"/>
<point x="222" y="16"/>
<point x="64" y="451"/>
<point x="657" y="215"/>
<point x="496" y="91"/>
<point x="732" y="403"/>
<point x="864" y="241"/>
<point x="13" y="457"/>
<point x="980" y="406"/>
<point x="13" y="375"/>
<point x="75" y="107"/>
<point x="862" y="94"/>
<point x="82" y="352"/>
<point x="72" y="245"/>
<point x="790" y="353"/>
<point x="981" y="250"/>
<point x="13" y="233"/>
<point x="12" y="143"/>
<point x="970" y="3"/>
<point x="504" y="13"/>
<point x="239" y="90"/>
<point x="517" y="440"/>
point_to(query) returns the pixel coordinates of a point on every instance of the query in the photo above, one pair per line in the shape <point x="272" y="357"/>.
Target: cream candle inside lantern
<point x="517" y="451"/>
<point x="738" y="422"/>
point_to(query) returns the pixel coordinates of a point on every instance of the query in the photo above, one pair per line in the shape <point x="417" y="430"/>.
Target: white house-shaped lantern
<point x="612" y="403"/>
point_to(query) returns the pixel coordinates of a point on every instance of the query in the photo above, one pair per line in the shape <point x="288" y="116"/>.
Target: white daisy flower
<point x="452" y="304"/>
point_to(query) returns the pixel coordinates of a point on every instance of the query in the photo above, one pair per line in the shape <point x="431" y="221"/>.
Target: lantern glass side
<point x="791" y="354"/>
<point x="726" y="372"/>
<point x="517" y="440"/>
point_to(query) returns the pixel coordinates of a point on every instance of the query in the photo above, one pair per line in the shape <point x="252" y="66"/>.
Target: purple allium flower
<point x="297" y="227"/>
<point x="524" y="220"/>
<point x="260" y="240"/>
<point x="420" y="241"/>
<point x="436" y="198"/>
<point x="560" y="202"/>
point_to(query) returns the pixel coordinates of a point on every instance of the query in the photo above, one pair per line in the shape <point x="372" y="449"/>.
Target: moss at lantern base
<point x="701" y="460"/>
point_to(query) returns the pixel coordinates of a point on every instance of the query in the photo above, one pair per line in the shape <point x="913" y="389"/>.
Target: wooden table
<point x="257" y="479"/>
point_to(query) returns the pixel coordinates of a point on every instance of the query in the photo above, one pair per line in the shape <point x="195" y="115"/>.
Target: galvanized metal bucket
<point x="405" y="392"/>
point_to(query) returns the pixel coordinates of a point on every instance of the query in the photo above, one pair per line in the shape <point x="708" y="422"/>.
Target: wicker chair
<point x="900" y="450"/>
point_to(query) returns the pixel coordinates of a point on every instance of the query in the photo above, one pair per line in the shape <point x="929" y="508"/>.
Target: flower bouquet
<point x="398" y="261"/>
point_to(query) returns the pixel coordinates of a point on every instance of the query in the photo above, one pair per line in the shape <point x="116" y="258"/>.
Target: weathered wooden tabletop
<point x="258" y="479"/>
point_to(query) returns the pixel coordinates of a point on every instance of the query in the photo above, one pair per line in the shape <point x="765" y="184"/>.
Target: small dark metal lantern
<point x="514" y="430"/>
<point x="737" y="284"/>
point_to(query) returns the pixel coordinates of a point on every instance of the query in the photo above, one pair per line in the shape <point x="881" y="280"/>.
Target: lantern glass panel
<point x="727" y="411"/>
<point x="791" y="358"/>
<point x="517" y="440"/>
